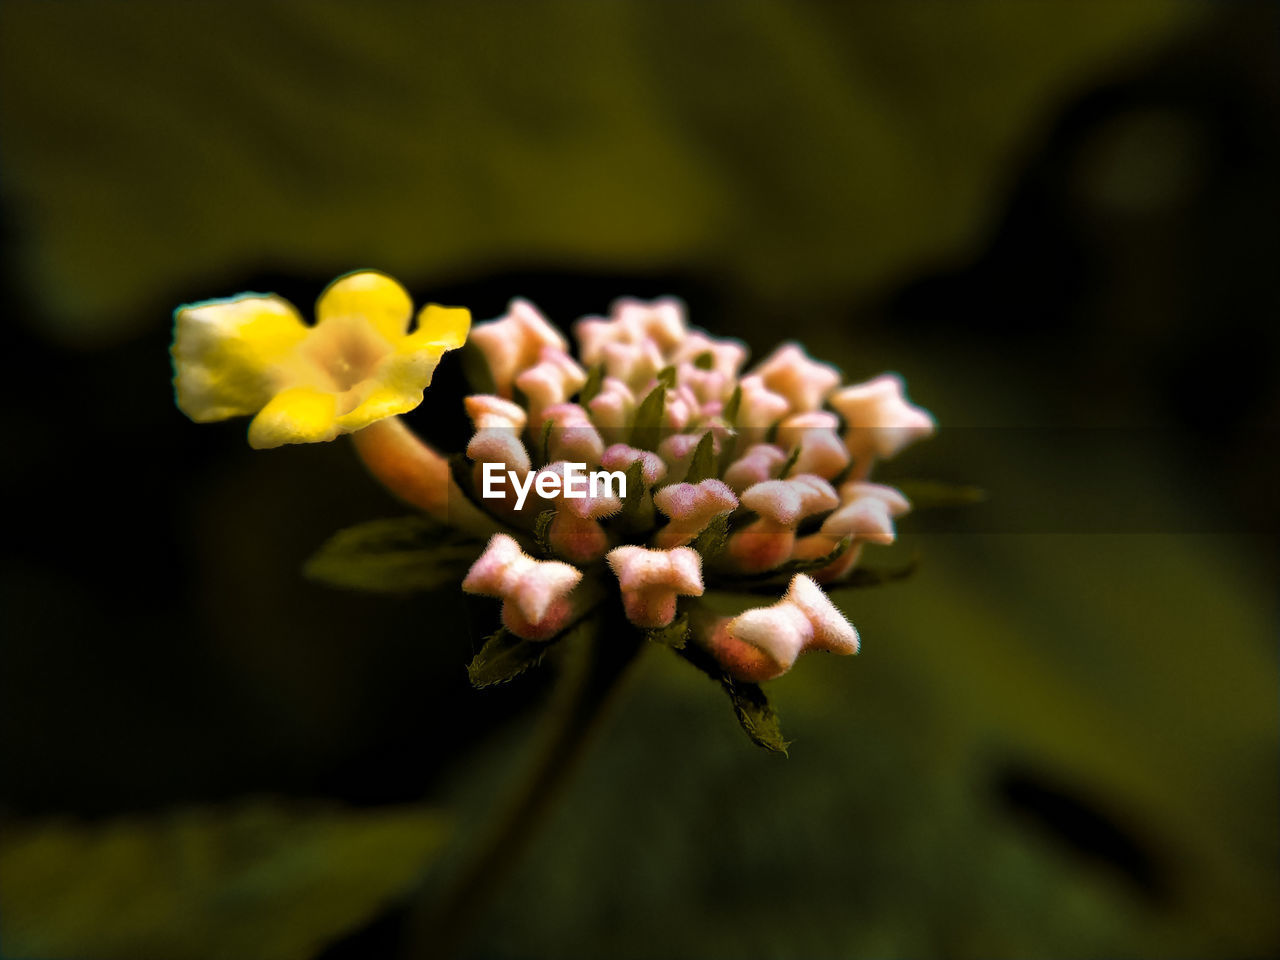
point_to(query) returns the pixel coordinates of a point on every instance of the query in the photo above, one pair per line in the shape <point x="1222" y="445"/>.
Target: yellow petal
<point x="369" y="294"/>
<point x="224" y="352"/>
<point x="296" y="415"/>
<point x="445" y="326"/>
<point x="397" y="388"/>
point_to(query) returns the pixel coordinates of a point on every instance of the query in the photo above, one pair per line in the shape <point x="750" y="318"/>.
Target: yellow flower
<point x="253" y="355"/>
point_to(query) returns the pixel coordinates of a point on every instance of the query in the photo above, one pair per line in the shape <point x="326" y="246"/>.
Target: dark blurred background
<point x="1057" y="220"/>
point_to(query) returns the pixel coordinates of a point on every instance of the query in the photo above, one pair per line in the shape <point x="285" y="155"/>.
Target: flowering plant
<point x="728" y="483"/>
<point x="717" y="484"/>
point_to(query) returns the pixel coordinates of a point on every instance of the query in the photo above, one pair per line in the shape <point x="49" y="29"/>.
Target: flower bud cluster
<point x="737" y="477"/>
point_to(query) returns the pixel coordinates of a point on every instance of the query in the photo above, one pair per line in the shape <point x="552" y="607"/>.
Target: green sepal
<point x="591" y="389"/>
<point x="545" y="448"/>
<point x="789" y="464"/>
<point x="540" y="527"/>
<point x="399" y="555"/>
<point x="702" y="465"/>
<point x="649" y="419"/>
<point x="675" y="635"/>
<point x="712" y="539"/>
<point x="667" y="377"/>
<point x="756" y="715"/>
<point x="504" y="657"/>
<point x="634" y="505"/>
<point x="730" y="411"/>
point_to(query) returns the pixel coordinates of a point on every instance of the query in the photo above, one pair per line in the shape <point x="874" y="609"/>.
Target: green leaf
<point x="927" y="494"/>
<point x="702" y="465"/>
<point x="398" y="555"/>
<point x="644" y="432"/>
<point x="504" y="657"/>
<point x="675" y="635"/>
<point x="758" y="718"/>
<point x="260" y="879"/>
<point x="591" y="389"/>
<point x="712" y="539"/>
<point x="730" y="412"/>
<point x="667" y="377"/>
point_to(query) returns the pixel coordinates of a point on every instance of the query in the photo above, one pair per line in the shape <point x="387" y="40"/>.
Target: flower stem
<point x="437" y="927"/>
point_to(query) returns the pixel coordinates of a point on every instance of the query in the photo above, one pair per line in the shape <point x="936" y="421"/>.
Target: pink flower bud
<point x="573" y="435"/>
<point x="761" y="462"/>
<point x="612" y="409"/>
<point x="677" y="451"/>
<point x="535" y="594"/>
<point x="727" y="356"/>
<point x="763" y="643"/>
<point x="635" y="364"/>
<point x="620" y="457"/>
<point x="707" y="386"/>
<point x="651" y="580"/>
<point x="879" y="419"/>
<point x="866" y="515"/>
<point x="661" y="320"/>
<point x="804" y="382"/>
<point x="513" y="342"/>
<point x="575" y="532"/>
<point x="822" y="452"/>
<point x="680" y="408"/>
<point x="690" y="507"/>
<point x="781" y="504"/>
<point x="499" y="424"/>
<point x="553" y="379"/>
<point x="759" y="410"/>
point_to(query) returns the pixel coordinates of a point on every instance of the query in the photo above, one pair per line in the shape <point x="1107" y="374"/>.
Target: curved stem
<point x="437" y="928"/>
<point x="416" y="473"/>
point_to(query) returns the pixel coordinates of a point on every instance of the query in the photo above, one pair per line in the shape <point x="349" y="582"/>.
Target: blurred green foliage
<point x="258" y="879"/>
<point x="803" y="150"/>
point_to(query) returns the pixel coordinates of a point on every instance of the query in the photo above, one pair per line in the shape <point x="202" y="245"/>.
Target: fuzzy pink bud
<point x="690" y="507"/>
<point x="553" y="379"/>
<point x="573" y="435"/>
<point x="781" y="505"/>
<point x="535" y="594"/>
<point x="727" y="356"/>
<point x="822" y="452"/>
<point x="763" y="643"/>
<point x="880" y="421"/>
<point x="575" y="532"/>
<point x="499" y="424"/>
<point x="620" y="457"/>
<point x="866" y="514"/>
<point x="761" y="462"/>
<point x="651" y="580"/>
<point x="659" y="320"/>
<point x="759" y="409"/>
<point x="514" y="342"/>
<point x="612" y="409"/>
<point x="804" y="382"/>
